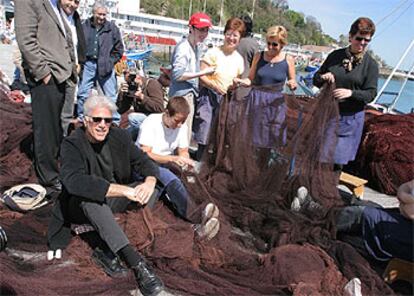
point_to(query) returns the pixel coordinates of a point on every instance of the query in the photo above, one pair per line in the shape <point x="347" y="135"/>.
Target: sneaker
<point x="148" y="282"/>
<point x="109" y="262"/>
<point x="210" y="211"/>
<point x="295" y="205"/>
<point x="208" y="230"/>
<point x="303" y="194"/>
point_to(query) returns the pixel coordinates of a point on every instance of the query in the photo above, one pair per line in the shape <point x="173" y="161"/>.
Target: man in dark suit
<point x="49" y="61"/>
<point x="96" y="173"/>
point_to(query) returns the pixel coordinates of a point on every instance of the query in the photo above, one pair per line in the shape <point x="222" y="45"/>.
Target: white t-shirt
<point x="163" y="141"/>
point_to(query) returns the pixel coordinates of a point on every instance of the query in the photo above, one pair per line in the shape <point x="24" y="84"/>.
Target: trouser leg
<point x="110" y="87"/>
<point x="176" y="193"/>
<point x="103" y="220"/>
<point x="189" y="121"/>
<point x="68" y="106"/>
<point x="349" y="219"/>
<point x="85" y="86"/>
<point x="47" y="104"/>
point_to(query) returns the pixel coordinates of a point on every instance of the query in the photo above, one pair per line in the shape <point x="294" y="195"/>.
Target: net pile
<point x="263" y="248"/>
<point x="15" y="141"/>
<point x="385" y="156"/>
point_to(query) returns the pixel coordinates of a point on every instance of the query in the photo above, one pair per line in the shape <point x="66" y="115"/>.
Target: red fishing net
<point x="263" y="248"/>
<point x="386" y="153"/>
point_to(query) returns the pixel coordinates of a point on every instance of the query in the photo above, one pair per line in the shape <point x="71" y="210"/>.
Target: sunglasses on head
<point x="274" y="44"/>
<point x="108" y="120"/>
<point x="358" y="38"/>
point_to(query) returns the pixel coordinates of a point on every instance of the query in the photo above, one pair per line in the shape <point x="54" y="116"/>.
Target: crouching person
<point x="97" y="161"/>
<point x="165" y="139"/>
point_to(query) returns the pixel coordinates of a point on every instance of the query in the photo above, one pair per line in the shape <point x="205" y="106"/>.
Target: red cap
<point x="200" y="20"/>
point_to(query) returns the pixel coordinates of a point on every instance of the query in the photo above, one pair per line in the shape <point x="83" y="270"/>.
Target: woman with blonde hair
<point x="266" y="106"/>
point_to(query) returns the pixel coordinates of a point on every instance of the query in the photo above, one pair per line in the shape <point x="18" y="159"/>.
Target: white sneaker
<point x="295" y="205"/>
<point x="208" y="230"/>
<point x="210" y="211"/>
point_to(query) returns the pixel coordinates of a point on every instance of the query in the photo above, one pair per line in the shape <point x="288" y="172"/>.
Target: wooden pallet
<point x="355" y="184"/>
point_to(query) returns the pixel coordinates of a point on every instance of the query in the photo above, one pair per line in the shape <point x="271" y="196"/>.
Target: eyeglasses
<point x="274" y="44"/>
<point x="232" y="35"/>
<point x="358" y="38"/>
<point x="107" y="120"/>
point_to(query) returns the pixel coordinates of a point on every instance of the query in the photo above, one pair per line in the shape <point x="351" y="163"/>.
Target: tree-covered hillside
<point x="302" y="29"/>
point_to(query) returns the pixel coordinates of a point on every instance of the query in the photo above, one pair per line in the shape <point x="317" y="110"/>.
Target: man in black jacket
<point x="104" y="48"/>
<point x="96" y="167"/>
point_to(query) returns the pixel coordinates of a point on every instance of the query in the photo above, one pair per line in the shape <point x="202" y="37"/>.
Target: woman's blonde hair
<point x="279" y="32"/>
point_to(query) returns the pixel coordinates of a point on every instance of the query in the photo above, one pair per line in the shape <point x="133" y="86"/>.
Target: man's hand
<point x="144" y="191"/>
<point x="124" y="87"/>
<point x="47" y="78"/>
<point x="328" y="77"/>
<point x="138" y="95"/>
<point x="183" y="161"/>
<point x="342" y="93"/>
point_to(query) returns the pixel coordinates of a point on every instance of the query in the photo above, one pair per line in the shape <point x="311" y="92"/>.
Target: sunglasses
<point x="274" y="44"/>
<point x="358" y="38"/>
<point x="108" y="120"/>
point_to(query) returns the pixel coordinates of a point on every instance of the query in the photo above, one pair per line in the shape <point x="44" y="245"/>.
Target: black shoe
<point x="109" y="262"/>
<point x="148" y="283"/>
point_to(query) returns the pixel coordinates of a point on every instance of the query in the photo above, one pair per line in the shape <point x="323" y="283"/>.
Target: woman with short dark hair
<point x="355" y="74"/>
<point x="228" y="64"/>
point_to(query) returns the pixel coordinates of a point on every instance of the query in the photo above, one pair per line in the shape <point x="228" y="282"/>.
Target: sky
<point x="394" y="20"/>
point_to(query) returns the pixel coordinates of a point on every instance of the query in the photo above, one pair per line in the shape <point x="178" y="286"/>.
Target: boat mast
<point x="393" y="72"/>
<point x="391" y="107"/>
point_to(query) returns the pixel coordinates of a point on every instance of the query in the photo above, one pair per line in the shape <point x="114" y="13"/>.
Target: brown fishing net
<point x="386" y="153"/>
<point x="263" y="248"/>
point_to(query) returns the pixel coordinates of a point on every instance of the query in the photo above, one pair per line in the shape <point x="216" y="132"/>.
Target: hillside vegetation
<point x="302" y="29"/>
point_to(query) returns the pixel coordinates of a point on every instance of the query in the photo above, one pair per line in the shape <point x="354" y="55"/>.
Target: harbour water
<point x="406" y="103"/>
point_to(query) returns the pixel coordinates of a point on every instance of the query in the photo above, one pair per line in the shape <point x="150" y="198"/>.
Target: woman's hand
<point x="342" y="93"/>
<point x="328" y="77"/>
<point x="241" y="82"/>
<point x="292" y="84"/>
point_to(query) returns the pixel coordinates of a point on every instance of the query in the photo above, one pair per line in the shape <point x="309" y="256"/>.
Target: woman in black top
<point x="355" y="74"/>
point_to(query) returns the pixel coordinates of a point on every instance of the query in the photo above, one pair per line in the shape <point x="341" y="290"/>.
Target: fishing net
<point x="263" y="247"/>
<point x="385" y="156"/>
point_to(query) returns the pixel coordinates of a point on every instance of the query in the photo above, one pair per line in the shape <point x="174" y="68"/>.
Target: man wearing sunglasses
<point x="97" y="162"/>
<point x="185" y="62"/>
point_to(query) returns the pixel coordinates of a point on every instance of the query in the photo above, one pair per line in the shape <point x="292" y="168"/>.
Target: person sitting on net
<point x="163" y="137"/>
<point x="377" y="233"/>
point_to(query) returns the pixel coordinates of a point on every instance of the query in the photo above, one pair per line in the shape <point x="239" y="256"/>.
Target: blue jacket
<point x="111" y="47"/>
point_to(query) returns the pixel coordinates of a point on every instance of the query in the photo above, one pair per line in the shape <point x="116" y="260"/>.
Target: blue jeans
<point x="108" y="85"/>
<point x="135" y="120"/>
<point x="174" y="190"/>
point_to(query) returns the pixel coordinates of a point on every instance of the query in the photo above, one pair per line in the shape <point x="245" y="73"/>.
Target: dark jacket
<point x="153" y="101"/>
<point x="362" y="80"/>
<point x="81" y="39"/>
<point x="80" y="181"/>
<point x="111" y="47"/>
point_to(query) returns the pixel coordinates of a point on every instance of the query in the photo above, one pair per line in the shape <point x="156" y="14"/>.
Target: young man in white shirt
<point x="163" y="136"/>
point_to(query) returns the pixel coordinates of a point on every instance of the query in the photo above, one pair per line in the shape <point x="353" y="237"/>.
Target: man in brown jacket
<point x="46" y="45"/>
<point x="145" y="95"/>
